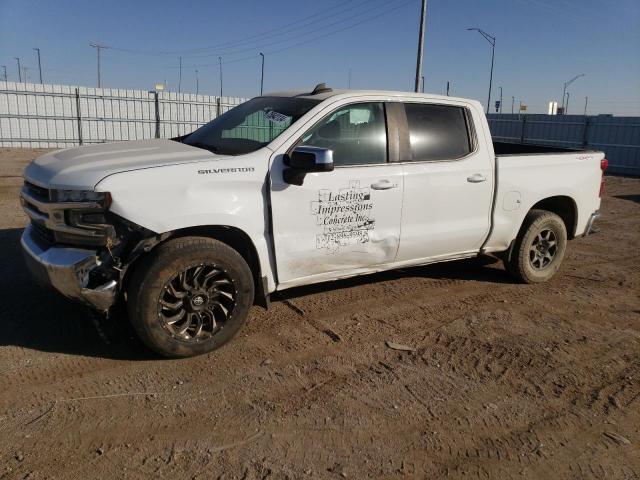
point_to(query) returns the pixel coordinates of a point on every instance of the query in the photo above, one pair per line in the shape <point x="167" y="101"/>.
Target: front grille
<point x="43" y="233"/>
<point x="38" y="193"/>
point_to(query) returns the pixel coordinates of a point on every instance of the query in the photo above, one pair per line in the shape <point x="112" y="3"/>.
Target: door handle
<point x="476" y="178"/>
<point x="383" y="185"/>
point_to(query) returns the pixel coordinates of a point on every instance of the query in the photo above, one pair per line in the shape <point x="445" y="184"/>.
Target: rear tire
<point x="539" y="248"/>
<point x="189" y="296"/>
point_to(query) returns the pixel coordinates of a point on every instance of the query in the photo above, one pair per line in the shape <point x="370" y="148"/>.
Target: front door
<point x="346" y="221"/>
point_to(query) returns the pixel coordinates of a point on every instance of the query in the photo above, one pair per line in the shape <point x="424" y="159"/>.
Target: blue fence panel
<point x="618" y="137"/>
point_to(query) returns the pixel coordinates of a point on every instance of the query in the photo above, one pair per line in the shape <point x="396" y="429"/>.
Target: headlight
<point x="104" y="198"/>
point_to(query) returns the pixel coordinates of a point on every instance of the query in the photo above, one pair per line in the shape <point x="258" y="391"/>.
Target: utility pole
<point x="98" y="47"/>
<point x="220" y="63"/>
<point x="39" y="64"/>
<point x="262" y="74"/>
<point x="519" y="109"/>
<point x="586" y="102"/>
<point x="19" y="69"/>
<point x="447" y="89"/>
<point x="180" y="75"/>
<point x="492" y="41"/>
<point x="500" y="100"/>
<point x="423" y="14"/>
<point x="513" y="100"/>
<point x="566" y="84"/>
<point x="197" y="83"/>
<point x="4" y="67"/>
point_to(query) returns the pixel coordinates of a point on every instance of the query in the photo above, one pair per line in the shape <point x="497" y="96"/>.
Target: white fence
<point x="49" y="116"/>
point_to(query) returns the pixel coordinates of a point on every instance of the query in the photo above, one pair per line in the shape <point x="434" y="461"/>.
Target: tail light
<point x="604" y="163"/>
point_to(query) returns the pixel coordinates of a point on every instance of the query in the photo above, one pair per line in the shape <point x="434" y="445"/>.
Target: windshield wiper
<point x="205" y="146"/>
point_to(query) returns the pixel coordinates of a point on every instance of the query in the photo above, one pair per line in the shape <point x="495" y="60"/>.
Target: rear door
<point x="448" y="175"/>
<point x="345" y="221"/>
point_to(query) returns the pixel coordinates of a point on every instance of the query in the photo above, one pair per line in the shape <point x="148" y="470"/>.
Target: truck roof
<point x="326" y="92"/>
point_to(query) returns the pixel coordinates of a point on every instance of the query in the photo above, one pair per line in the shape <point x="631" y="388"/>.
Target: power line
<point x="232" y="50"/>
<point x="313" y="39"/>
<point x="288" y="29"/>
<point x="299" y="23"/>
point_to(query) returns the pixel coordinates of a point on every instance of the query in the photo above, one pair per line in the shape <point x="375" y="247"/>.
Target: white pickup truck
<point x="291" y="189"/>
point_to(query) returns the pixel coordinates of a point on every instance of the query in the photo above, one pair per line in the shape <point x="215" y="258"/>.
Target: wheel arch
<point x="234" y="237"/>
<point x="563" y="206"/>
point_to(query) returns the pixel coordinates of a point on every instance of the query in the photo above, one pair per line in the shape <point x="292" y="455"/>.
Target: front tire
<point x="189" y="296"/>
<point x="539" y="248"/>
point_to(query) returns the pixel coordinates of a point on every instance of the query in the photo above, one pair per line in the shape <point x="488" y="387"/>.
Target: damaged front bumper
<point x="68" y="270"/>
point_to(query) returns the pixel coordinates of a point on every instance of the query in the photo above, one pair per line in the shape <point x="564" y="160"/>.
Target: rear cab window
<point x="438" y="132"/>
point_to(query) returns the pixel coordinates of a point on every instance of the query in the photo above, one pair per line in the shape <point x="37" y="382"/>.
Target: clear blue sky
<point x="540" y="45"/>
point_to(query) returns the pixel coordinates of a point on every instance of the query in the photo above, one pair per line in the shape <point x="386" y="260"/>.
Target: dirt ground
<point x="505" y="380"/>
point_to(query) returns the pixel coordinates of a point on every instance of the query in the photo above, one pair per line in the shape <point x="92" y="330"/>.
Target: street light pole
<point x="513" y="100"/>
<point x="586" y="102"/>
<point x="197" y="83"/>
<point x="4" y="67"/>
<point x="492" y="41"/>
<point x="19" y="69"/>
<point x="262" y="74"/>
<point x="220" y="63"/>
<point x="564" y="91"/>
<point x="566" y="107"/>
<point x="500" y="100"/>
<point x="423" y="14"/>
<point x="39" y="64"/>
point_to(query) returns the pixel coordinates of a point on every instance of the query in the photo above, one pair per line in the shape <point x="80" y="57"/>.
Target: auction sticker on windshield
<point x="276" y="117"/>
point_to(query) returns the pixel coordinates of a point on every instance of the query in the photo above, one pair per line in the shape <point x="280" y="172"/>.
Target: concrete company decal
<point x="343" y="217"/>
<point x="226" y="170"/>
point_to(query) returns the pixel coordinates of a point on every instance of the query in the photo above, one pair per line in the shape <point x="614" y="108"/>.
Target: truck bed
<point x="509" y="148"/>
<point x="528" y="172"/>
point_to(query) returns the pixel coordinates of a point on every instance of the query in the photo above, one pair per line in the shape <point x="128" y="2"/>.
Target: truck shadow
<point x="472" y="269"/>
<point x="35" y="318"/>
<point x="631" y="198"/>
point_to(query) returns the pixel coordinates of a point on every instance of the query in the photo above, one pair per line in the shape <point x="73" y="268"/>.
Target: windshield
<point x="249" y="126"/>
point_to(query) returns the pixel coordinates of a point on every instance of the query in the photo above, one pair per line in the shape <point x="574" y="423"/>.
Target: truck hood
<point x="84" y="167"/>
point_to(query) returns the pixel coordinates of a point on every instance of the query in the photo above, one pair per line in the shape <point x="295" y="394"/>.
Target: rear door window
<point x="437" y="132"/>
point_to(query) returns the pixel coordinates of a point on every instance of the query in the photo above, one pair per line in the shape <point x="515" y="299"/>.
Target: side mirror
<point x="305" y="160"/>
